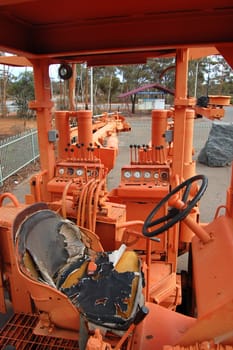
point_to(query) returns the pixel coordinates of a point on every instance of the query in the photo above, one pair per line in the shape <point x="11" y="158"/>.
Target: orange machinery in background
<point x="152" y="211"/>
<point x="65" y="268"/>
<point x="77" y="188"/>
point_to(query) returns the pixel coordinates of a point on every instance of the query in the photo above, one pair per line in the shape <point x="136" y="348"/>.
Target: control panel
<point x="83" y="172"/>
<point x="74" y="174"/>
<point x="157" y="175"/>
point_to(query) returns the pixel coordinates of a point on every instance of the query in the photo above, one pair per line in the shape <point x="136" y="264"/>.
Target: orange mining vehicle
<point x="84" y="267"/>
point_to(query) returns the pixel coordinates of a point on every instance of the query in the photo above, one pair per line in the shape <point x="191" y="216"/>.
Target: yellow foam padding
<point x="74" y="277"/>
<point x="30" y="265"/>
<point x="129" y="262"/>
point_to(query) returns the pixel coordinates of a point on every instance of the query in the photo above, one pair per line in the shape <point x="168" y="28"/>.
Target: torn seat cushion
<point x="52" y="250"/>
<point x="46" y="244"/>
<point x="111" y="296"/>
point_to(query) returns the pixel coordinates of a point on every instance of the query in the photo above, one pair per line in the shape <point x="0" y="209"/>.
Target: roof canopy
<point x="112" y="32"/>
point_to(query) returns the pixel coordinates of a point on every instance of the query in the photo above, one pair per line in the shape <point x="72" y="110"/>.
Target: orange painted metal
<point x="182" y="147"/>
<point x="205" y="345"/>
<point x="77" y="189"/>
<point x="12" y="282"/>
<point x="25" y="29"/>
<point x="43" y="106"/>
<point x="74" y="184"/>
<point x="214" y="109"/>
<point x="229" y="198"/>
<point x="63" y="128"/>
<point x="84" y="120"/>
<point x="158" y="128"/>
<point x="161" y="327"/>
<point x="219" y="100"/>
<point x="96" y="342"/>
<point x="210" y="113"/>
<point x="10" y="196"/>
<point x="83" y="197"/>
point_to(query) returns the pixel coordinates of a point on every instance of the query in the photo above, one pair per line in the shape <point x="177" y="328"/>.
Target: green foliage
<point x="134" y="76"/>
<point x="207" y="76"/>
<point x="21" y="90"/>
<point x="210" y="76"/>
<point x="110" y="82"/>
<point x="106" y="85"/>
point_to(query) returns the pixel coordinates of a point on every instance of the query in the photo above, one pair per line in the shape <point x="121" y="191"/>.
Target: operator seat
<point x="67" y="273"/>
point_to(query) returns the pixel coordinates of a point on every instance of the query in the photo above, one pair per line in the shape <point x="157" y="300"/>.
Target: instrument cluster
<point x="158" y="175"/>
<point x="87" y="171"/>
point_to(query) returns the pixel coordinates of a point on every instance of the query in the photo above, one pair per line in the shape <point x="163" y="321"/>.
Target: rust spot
<point x="102" y="301"/>
<point x="149" y="336"/>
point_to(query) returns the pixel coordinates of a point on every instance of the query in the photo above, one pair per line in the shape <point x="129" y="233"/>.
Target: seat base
<point x="54" y="331"/>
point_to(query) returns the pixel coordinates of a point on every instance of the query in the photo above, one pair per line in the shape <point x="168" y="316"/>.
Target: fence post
<point x="33" y="147"/>
<point x="1" y="180"/>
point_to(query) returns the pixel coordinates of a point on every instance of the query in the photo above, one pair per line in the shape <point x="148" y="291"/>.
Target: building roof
<point x="146" y="87"/>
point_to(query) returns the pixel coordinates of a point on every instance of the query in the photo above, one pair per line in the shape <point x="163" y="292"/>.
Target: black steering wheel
<point x="174" y="214"/>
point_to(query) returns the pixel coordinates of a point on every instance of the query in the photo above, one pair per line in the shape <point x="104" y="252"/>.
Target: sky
<point x="16" y="71"/>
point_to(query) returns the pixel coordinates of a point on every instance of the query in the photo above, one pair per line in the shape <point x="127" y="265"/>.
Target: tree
<point x="4" y="79"/>
<point x="106" y="85"/>
<point x="220" y="75"/>
<point x="210" y="76"/>
<point x="21" y="90"/>
<point x="109" y="86"/>
<point x="134" y="76"/>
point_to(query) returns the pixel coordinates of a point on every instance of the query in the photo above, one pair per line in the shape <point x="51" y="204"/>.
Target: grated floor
<point x="18" y="332"/>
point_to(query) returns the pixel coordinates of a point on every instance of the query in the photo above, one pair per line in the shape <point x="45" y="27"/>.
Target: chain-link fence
<point x="16" y="152"/>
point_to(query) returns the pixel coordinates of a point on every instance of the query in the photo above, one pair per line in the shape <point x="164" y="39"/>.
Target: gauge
<point x="79" y="172"/>
<point x="70" y="171"/>
<point x="95" y="173"/>
<point x="127" y="174"/>
<point x="156" y="175"/>
<point x="164" y="176"/>
<point x="137" y="174"/>
<point x="61" y="171"/>
<point x="147" y="174"/>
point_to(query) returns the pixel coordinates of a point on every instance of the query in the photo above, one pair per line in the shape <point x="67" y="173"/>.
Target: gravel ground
<point x="15" y="181"/>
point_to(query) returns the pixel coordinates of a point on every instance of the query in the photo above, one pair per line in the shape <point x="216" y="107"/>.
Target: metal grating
<point x="18" y="332"/>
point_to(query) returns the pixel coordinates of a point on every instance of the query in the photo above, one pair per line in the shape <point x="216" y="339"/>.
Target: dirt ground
<point x="12" y="126"/>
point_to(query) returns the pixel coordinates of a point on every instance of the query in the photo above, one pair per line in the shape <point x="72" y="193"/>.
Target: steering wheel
<point x="174" y="214"/>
